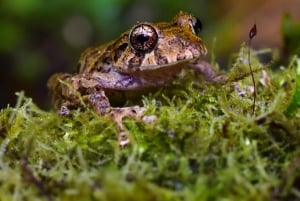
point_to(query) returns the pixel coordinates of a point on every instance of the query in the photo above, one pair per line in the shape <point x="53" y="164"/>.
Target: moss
<point x="205" y="145"/>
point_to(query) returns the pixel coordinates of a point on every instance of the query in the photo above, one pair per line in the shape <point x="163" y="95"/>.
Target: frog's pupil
<point x="142" y="38"/>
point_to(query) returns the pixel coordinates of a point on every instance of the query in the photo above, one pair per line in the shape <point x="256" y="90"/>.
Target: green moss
<point x="205" y="145"/>
<point x="295" y="101"/>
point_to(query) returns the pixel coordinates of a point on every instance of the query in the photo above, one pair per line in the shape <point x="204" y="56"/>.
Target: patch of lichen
<point x="205" y="145"/>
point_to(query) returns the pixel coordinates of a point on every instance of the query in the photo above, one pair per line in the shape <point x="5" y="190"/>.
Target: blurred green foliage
<point x="106" y="16"/>
<point x="291" y="34"/>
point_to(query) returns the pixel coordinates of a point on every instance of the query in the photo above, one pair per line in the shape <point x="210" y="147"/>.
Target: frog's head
<point x="149" y="46"/>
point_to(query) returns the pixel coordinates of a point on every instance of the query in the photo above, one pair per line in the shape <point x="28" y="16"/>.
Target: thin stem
<point x="252" y="76"/>
<point x="252" y="33"/>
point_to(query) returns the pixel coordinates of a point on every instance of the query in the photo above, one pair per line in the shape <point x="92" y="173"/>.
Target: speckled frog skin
<point x="148" y="55"/>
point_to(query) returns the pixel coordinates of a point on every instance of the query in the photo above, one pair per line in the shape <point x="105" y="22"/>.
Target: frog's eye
<point x="197" y="25"/>
<point x="143" y="38"/>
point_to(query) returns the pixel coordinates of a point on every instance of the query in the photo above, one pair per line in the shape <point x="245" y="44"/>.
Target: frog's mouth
<point x="152" y="68"/>
<point x="176" y="64"/>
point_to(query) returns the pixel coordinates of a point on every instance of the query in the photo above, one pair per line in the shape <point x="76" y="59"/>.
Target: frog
<point x="147" y="56"/>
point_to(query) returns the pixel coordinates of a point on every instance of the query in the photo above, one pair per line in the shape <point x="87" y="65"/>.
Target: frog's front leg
<point x="207" y="71"/>
<point x="77" y="91"/>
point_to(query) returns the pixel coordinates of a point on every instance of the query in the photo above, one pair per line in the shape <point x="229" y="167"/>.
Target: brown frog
<point x="148" y="55"/>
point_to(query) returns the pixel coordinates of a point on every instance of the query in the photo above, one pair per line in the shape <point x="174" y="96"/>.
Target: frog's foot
<point x="136" y="112"/>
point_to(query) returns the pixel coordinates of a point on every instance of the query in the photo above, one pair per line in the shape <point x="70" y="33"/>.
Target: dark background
<point x="39" y="38"/>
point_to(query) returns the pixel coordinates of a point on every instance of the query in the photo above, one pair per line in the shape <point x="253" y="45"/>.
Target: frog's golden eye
<point x="143" y="38"/>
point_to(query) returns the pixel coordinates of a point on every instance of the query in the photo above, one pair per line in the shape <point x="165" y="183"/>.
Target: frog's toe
<point x="135" y="111"/>
<point x="149" y="119"/>
<point x="64" y="111"/>
<point x="123" y="140"/>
